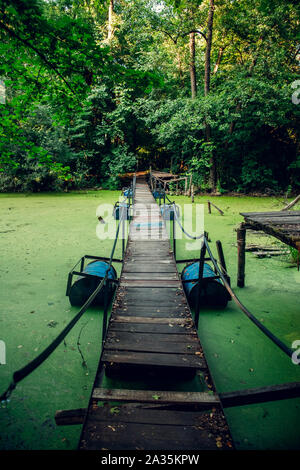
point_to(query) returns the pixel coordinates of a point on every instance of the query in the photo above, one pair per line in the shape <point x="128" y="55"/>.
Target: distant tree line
<point x="94" y="89"/>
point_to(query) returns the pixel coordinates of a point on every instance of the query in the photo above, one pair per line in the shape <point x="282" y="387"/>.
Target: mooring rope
<point x="31" y="366"/>
<point x="262" y="327"/>
<point x="183" y="230"/>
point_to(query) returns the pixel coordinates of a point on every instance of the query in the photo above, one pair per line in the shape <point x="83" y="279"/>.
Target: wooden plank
<point x="162" y="328"/>
<point x="142" y="436"/>
<point x="70" y="417"/>
<point x="156" y="320"/>
<point x="163" y="347"/>
<point x="185" y="415"/>
<point x="162" y="294"/>
<point x="146" y="426"/>
<point x="154" y="396"/>
<point x="149" y="268"/>
<point x="181" y="361"/>
<point x="146" y="276"/>
<point x="277" y="220"/>
<point x="146" y="336"/>
<point x="146" y="342"/>
<point x="274" y="214"/>
<point x="127" y="306"/>
<point x="151" y="263"/>
<point x="260" y="395"/>
<point x="150" y="306"/>
<point x="140" y="313"/>
<point x="291" y="204"/>
<point x="151" y="283"/>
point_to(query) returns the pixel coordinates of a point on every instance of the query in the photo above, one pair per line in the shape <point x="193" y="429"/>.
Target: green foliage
<point x="82" y="108"/>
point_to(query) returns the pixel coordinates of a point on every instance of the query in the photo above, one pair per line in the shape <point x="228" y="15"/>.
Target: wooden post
<point x="200" y="280"/>
<point x="212" y="204"/>
<point x="174" y="237"/>
<point x="190" y="186"/>
<point x="192" y="193"/>
<point x="123" y="232"/>
<point x="105" y="310"/>
<point x="185" y="186"/>
<point x="222" y="260"/>
<point x="241" y="245"/>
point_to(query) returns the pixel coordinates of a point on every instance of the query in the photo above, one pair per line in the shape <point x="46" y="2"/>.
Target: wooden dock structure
<point x="283" y="225"/>
<point x="151" y="337"/>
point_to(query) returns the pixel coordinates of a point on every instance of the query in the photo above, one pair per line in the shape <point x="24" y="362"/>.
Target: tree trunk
<point x="193" y="66"/>
<point x="210" y="19"/>
<point x="220" y="54"/>
<point x="110" y="20"/>
<point x="179" y="68"/>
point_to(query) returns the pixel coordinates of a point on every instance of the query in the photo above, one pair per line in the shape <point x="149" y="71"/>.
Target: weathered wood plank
<point x="156" y="320"/>
<point x="146" y="276"/>
<point x="181" y="361"/>
<point x="156" y="268"/>
<point x="159" y="337"/>
<point x="273" y="213"/>
<point x="140" y="313"/>
<point x="154" y="413"/>
<point x="162" y="328"/>
<point x="147" y="342"/>
<point x="143" y="436"/>
<point x="70" y="417"/>
<point x="154" y="396"/>
<point x="277" y="221"/>
<point x="260" y="395"/>
<point x="151" y="283"/>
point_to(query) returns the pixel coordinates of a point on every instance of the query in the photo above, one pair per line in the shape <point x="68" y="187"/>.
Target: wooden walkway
<point x="151" y="337"/>
<point x="283" y="225"/>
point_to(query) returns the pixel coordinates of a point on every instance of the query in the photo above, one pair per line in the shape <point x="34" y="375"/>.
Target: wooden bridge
<point x="152" y="344"/>
<point x="151" y="337"/>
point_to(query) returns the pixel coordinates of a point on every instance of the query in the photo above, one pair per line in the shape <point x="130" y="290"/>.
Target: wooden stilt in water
<point x="200" y="277"/>
<point x="241" y="245"/>
<point x="222" y="259"/>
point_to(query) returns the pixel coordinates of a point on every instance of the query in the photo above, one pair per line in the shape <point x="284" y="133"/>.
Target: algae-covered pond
<point x="43" y="235"/>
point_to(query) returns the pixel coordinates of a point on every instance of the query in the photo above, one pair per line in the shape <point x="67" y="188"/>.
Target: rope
<point x="184" y="231"/>
<point x="31" y="366"/>
<point x="179" y="223"/>
<point x="265" y="330"/>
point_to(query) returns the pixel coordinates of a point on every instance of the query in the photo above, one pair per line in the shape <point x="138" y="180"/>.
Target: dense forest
<point x="91" y="89"/>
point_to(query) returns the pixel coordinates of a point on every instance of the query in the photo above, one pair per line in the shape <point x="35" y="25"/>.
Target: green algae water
<point x="42" y="236"/>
